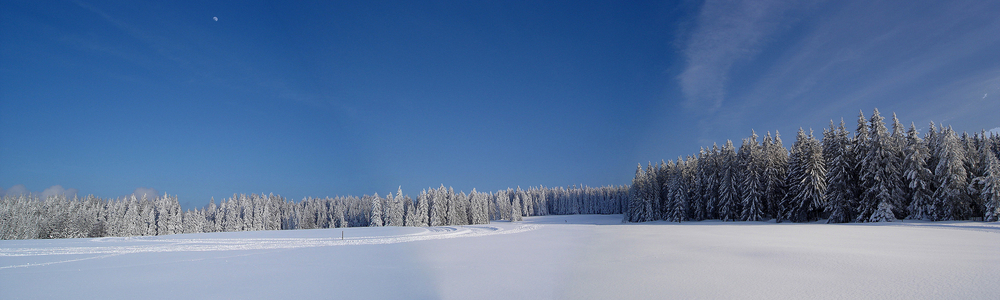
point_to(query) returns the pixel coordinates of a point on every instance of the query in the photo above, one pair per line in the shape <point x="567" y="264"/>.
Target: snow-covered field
<point x="552" y="257"/>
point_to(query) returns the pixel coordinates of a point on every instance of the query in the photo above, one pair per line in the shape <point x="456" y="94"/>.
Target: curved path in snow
<point x="161" y="244"/>
<point x="991" y="227"/>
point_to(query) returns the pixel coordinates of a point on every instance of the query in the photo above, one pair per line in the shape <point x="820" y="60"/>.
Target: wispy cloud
<point x="55" y="190"/>
<point x="19" y="189"/>
<point x="725" y="33"/>
<point x="148" y="193"/>
<point x="809" y="63"/>
<point x="58" y="190"/>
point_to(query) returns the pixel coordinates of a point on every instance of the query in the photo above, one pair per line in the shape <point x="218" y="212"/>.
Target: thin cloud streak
<point x="924" y="61"/>
<point x="726" y="32"/>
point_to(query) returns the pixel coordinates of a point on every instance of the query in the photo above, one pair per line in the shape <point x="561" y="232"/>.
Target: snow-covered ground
<point x="561" y="257"/>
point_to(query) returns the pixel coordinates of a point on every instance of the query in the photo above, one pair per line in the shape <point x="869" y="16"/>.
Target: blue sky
<point x="331" y="98"/>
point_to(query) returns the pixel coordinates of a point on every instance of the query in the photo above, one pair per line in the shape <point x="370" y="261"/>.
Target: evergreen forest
<point x="872" y="174"/>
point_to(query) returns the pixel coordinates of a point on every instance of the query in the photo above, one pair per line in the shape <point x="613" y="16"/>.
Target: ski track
<point x="167" y="244"/>
<point x="978" y="226"/>
<point x="197" y="245"/>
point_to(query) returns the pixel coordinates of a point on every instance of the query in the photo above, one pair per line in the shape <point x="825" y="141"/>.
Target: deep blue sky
<point x="331" y="98"/>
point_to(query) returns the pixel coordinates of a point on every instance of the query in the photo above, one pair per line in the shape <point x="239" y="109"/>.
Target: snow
<point x="577" y="257"/>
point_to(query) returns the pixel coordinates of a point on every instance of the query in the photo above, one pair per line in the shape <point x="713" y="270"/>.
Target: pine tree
<point x="660" y="206"/>
<point x="699" y="193"/>
<point x="515" y="208"/>
<point x="752" y="165"/>
<point x="879" y="175"/>
<point x="636" y="194"/>
<point x="975" y="166"/>
<point x="918" y="177"/>
<point x="691" y="185"/>
<point x="651" y="196"/>
<point x="421" y="215"/>
<point x="728" y="195"/>
<point x="409" y="212"/>
<point x="896" y="144"/>
<point x="713" y="168"/>
<point x="950" y="177"/>
<point x="840" y="183"/>
<point x="439" y="206"/>
<point x="990" y="191"/>
<point x="859" y="149"/>
<point x="376" y="213"/>
<point x="679" y="191"/>
<point x="395" y="217"/>
<point x="667" y="197"/>
<point x="775" y="173"/>
<point x="502" y="200"/>
<point x="806" y="180"/>
<point x="152" y="220"/>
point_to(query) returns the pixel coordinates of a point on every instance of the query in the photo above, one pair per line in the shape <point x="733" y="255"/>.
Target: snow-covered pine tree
<point x="918" y="177"/>
<point x="376" y="213"/>
<point x="395" y="217"/>
<point x="529" y="204"/>
<point x="879" y="175"/>
<point x="659" y="181"/>
<point x="476" y="206"/>
<point x="859" y="149"/>
<point x="478" y="212"/>
<point x="256" y="217"/>
<point x="840" y="189"/>
<point x="423" y="209"/>
<point x="989" y="194"/>
<point x="515" y="208"/>
<point x="339" y="215"/>
<point x="502" y="200"/>
<point x="932" y="139"/>
<point x="409" y="212"/>
<point x="484" y="199"/>
<point x="684" y="179"/>
<point x="714" y="171"/>
<point x="667" y="172"/>
<point x="138" y="218"/>
<point x="521" y="201"/>
<point x="775" y="173"/>
<point x="651" y="198"/>
<point x="950" y="178"/>
<point x="462" y="204"/>
<point x="815" y="182"/>
<point x="728" y="179"/>
<point x="664" y="172"/>
<point x="896" y="144"/>
<point x="174" y="210"/>
<point x="150" y="220"/>
<point x="796" y="171"/>
<point x="975" y="166"/>
<point x="635" y="199"/>
<point x="751" y="165"/>
<point x="699" y="191"/>
<point x="439" y="206"/>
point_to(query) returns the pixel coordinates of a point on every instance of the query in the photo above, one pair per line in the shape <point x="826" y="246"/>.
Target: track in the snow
<point x="161" y="244"/>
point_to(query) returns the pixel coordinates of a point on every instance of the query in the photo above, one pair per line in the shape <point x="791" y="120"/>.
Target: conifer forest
<point x="871" y="174"/>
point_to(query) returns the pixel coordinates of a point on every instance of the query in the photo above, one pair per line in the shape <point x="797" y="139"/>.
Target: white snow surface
<point x="551" y="257"/>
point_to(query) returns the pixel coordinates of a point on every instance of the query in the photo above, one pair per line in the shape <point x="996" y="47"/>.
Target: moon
<point x="215" y="18"/>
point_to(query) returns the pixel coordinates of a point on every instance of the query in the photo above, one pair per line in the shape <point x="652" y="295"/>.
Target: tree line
<point x="872" y="175"/>
<point x="30" y="217"/>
